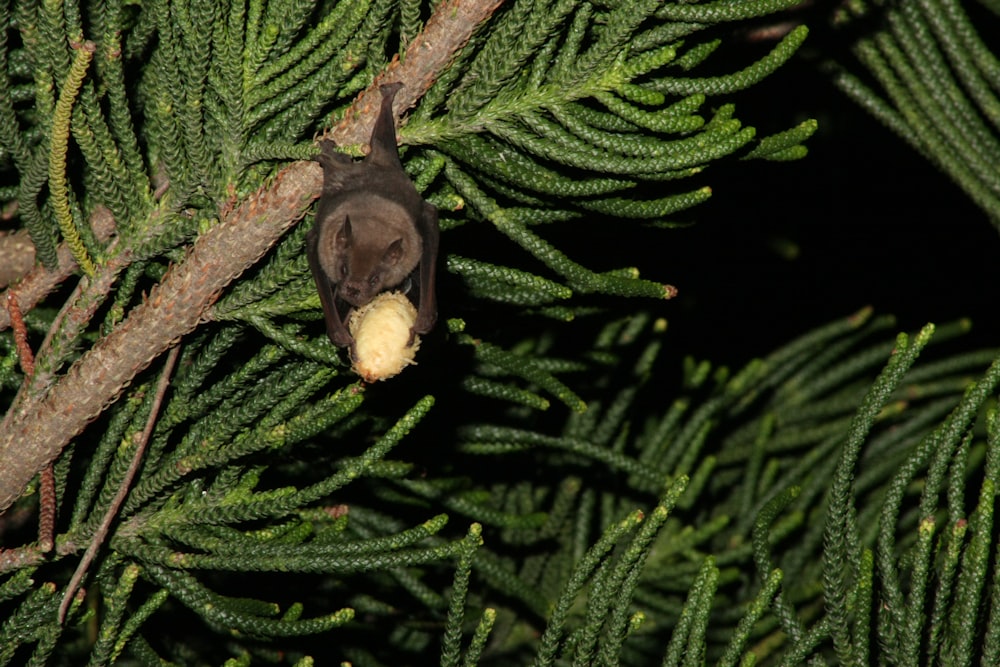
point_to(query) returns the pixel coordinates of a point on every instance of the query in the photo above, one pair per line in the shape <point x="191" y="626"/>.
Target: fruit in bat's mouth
<point x="381" y="331"/>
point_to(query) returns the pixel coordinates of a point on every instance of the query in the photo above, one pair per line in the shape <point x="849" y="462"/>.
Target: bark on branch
<point x="33" y="283"/>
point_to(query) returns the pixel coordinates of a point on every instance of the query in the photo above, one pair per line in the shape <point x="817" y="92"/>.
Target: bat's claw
<point x="341" y="338"/>
<point x="329" y="157"/>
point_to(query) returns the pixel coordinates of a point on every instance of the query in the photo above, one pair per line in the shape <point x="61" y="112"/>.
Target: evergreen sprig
<point x="936" y="88"/>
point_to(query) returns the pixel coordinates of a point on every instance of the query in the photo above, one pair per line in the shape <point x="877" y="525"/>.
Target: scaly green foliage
<point x="550" y="540"/>
<point x="286" y="514"/>
<point x="938" y="88"/>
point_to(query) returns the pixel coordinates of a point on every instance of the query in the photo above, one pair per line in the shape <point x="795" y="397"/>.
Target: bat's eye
<point x="343" y="270"/>
<point x="373" y="280"/>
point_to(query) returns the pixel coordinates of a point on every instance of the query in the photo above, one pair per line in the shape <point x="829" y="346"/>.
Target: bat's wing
<point x="338" y="169"/>
<point x="383" y="151"/>
<point x="380" y="172"/>
<point x="335" y="328"/>
<point x="427" y="226"/>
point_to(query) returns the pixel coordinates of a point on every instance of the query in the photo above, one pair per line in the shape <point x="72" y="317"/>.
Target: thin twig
<point x="109" y="516"/>
<point x="24" y="354"/>
<point x="47" y="509"/>
<point x="47" y="487"/>
<point x="30" y="555"/>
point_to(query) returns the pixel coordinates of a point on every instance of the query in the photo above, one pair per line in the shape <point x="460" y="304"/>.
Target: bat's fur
<point x="372" y="230"/>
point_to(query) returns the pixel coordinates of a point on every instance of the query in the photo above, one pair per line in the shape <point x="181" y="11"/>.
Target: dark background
<point x="874" y="223"/>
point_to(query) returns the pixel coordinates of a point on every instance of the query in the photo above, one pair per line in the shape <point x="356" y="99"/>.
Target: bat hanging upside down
<point x="373" y="231"/>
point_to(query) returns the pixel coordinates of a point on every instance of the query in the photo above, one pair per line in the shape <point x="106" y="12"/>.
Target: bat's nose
<point x="351" y="293"/>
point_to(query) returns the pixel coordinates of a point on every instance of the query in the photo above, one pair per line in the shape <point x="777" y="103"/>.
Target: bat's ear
<point x="344" y="234"/>
<point x="393" y="253"/>
<point x="383" y="148"/>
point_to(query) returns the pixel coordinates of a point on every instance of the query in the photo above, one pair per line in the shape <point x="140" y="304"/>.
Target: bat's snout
<point x="354" y="294"/>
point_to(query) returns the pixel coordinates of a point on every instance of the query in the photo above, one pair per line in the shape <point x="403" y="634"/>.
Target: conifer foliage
<point x="211" y="485"/>
<point x="932" y="79"/>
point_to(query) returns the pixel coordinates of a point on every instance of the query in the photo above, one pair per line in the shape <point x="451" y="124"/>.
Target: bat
<point x="372" y="231"/>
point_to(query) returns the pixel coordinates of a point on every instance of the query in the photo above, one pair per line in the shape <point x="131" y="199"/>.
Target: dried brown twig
<point x="47" y="488"/>
<point x="24" y="353"/>
<point x="38" y="430"/>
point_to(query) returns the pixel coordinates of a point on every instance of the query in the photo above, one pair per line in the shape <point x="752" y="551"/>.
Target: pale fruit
<point x="381" y="331"/>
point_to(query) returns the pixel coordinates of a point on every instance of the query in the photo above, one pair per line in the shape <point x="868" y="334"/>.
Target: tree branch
<point x="112" y="511"/>
<point x="17" y="256"/>
<point x="446" y="32"/>
<point x="35" y="436"/>
<point x="174" y="308"/>
<point x="38" y="282"/>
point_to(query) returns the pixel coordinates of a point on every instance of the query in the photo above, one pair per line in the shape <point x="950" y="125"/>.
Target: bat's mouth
<point x="351" y="295"/>
<point x="357" y="297"/>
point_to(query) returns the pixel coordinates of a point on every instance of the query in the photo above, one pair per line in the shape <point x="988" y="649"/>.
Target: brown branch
<point x="109" y="516"/>
<point x="24" y="354"/>
<point x="78" y="310"/>
<point x="39" y="282"/>
<point x="47" y="502"/>
<point x="428" y="55"/>
<point x="36" y="434"/>
<point x="17" y="256"/>
<point x="47" y="488"/>
<point x="174" y="308"/>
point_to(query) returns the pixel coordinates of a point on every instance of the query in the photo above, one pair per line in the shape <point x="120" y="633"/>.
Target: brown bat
<point x="372" y="232"/>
